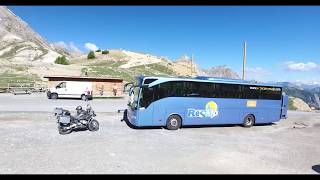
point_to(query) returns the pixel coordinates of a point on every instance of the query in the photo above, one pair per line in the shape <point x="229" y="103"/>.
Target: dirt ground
<point x="30" y="143"/>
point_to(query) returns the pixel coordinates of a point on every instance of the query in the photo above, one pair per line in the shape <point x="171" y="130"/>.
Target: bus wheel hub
<point x="249" y="120"/>
<point x="174" y="122"/>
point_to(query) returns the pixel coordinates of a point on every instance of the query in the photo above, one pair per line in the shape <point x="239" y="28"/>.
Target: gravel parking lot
<point x="30" y="143"/>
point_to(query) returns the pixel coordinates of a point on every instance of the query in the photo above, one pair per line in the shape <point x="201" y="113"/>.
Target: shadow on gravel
<point x="225" y="125"/>
<point x="79" y="129"/>
<point x="266" y="124"/>
<point x="60" y="98"/>
<point x="316" y="168"/>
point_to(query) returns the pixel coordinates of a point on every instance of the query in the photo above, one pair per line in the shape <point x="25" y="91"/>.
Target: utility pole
<point x="244" y="60"/>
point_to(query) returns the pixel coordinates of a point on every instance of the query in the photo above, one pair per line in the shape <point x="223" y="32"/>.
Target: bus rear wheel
<point x="248" y="121"/>
<point x="174" y="122"/>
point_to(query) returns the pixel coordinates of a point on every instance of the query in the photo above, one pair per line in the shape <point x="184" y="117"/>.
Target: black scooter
<point x="82" y="120"/>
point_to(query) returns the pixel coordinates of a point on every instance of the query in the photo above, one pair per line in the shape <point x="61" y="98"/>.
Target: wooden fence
<point x="27" y="86"/>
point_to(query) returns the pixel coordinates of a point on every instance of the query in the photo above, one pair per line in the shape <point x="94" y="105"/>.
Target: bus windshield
<point x="146" y="97"/>
<point x="134" y="95"/>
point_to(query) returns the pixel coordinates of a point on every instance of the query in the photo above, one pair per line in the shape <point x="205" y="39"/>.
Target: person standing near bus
<point x="114" y="90"/>
<point x="87" y="94"/>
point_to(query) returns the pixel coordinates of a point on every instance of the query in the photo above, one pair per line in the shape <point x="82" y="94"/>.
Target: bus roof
<point x="203" y="79"/>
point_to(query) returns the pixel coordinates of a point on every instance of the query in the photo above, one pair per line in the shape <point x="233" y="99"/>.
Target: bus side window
<point x="217" y="91"/>
<point x="177" y="89"/>
<point x="206" y="90"/>
<point x="192" y="89"/>
<point x="249" y="92"/>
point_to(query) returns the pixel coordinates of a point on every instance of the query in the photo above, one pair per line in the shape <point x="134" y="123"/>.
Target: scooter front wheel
<point x="93" y="125"/>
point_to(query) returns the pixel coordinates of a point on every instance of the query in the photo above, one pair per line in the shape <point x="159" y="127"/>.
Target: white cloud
<point x="61" y="44"/>
<point x="91" y="46"/>
<point x="74" y="48"/>
<point x="71" y="47"/>
<point x="293" y="66"/>
<point x="258" y="71"/>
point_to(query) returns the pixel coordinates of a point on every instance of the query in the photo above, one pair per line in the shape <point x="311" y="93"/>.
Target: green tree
<point x="99" y="50"/>
<point x="61" y="60"/>
<point x="91" y="55"/>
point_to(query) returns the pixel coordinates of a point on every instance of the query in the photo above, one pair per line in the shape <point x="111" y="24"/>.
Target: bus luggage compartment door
<point x="284" y="107"/>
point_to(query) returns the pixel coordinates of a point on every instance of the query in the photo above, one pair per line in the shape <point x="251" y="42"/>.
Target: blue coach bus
<point x="176" y="102"/>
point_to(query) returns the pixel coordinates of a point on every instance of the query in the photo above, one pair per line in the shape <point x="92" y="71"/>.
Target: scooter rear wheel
<point x="64" y="131"/>
<point x="93" y="125"/>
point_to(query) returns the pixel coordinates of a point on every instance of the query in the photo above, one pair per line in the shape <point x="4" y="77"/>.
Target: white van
<point x="71" y="89"/>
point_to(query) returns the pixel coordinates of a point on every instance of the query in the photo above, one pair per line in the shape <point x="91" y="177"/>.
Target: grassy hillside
<point x="112" y="69"/>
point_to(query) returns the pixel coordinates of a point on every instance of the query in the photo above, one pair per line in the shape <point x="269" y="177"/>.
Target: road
<point x="38" y="102"/>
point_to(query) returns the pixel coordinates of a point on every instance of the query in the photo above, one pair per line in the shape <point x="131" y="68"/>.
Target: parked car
<point x="71" y="89"/>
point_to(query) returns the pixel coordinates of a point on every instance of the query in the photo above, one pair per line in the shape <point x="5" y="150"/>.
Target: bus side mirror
<point x="134" y="105"/>
<point x="127" y="87"/>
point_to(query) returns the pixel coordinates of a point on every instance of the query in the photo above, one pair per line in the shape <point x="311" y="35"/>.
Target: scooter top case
<point x="63" y="115"/>
<point x="64" y="119"/>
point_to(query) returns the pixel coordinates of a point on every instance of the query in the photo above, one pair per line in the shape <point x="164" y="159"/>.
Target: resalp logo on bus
<point x="211" y="111"/>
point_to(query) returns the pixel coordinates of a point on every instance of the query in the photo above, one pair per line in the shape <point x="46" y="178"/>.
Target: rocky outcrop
<point x="186" y="66"/>
<point x="221" y="72"/>
<point x="300" y="105"/>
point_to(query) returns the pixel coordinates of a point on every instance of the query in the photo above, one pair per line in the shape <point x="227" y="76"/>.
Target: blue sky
<point x="283" y="41"/>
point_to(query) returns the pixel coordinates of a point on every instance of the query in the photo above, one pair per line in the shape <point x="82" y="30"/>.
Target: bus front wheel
<point x="174" y="122"/>
<point x="248" y="121"/>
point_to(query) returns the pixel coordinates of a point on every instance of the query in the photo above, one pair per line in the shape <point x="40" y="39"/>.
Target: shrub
<point x="99" y="50"/>
<point x="62" y="60"/>
<point x="105" y="52"/>
<point x="91" y="55"/>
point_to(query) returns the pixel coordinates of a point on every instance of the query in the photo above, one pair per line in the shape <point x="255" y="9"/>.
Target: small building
<point x="101" y="86"/>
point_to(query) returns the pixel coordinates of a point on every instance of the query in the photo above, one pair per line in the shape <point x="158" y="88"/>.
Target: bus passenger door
<point x="145" y="116"/>
<point x="145" y="107"/>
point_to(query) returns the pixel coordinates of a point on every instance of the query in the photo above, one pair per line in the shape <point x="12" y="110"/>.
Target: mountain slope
<point x="310" y="95"/>
<point x="128" y="63"/>
<point x="20" y="43"/>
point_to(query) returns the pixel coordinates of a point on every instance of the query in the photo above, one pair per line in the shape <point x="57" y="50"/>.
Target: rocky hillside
<point x="127" y="64"/>
<point x="308" y="93"/>
<point x="20" y="43"/>
<point x="298" y="104"/>
<point x="221" y="71"/>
